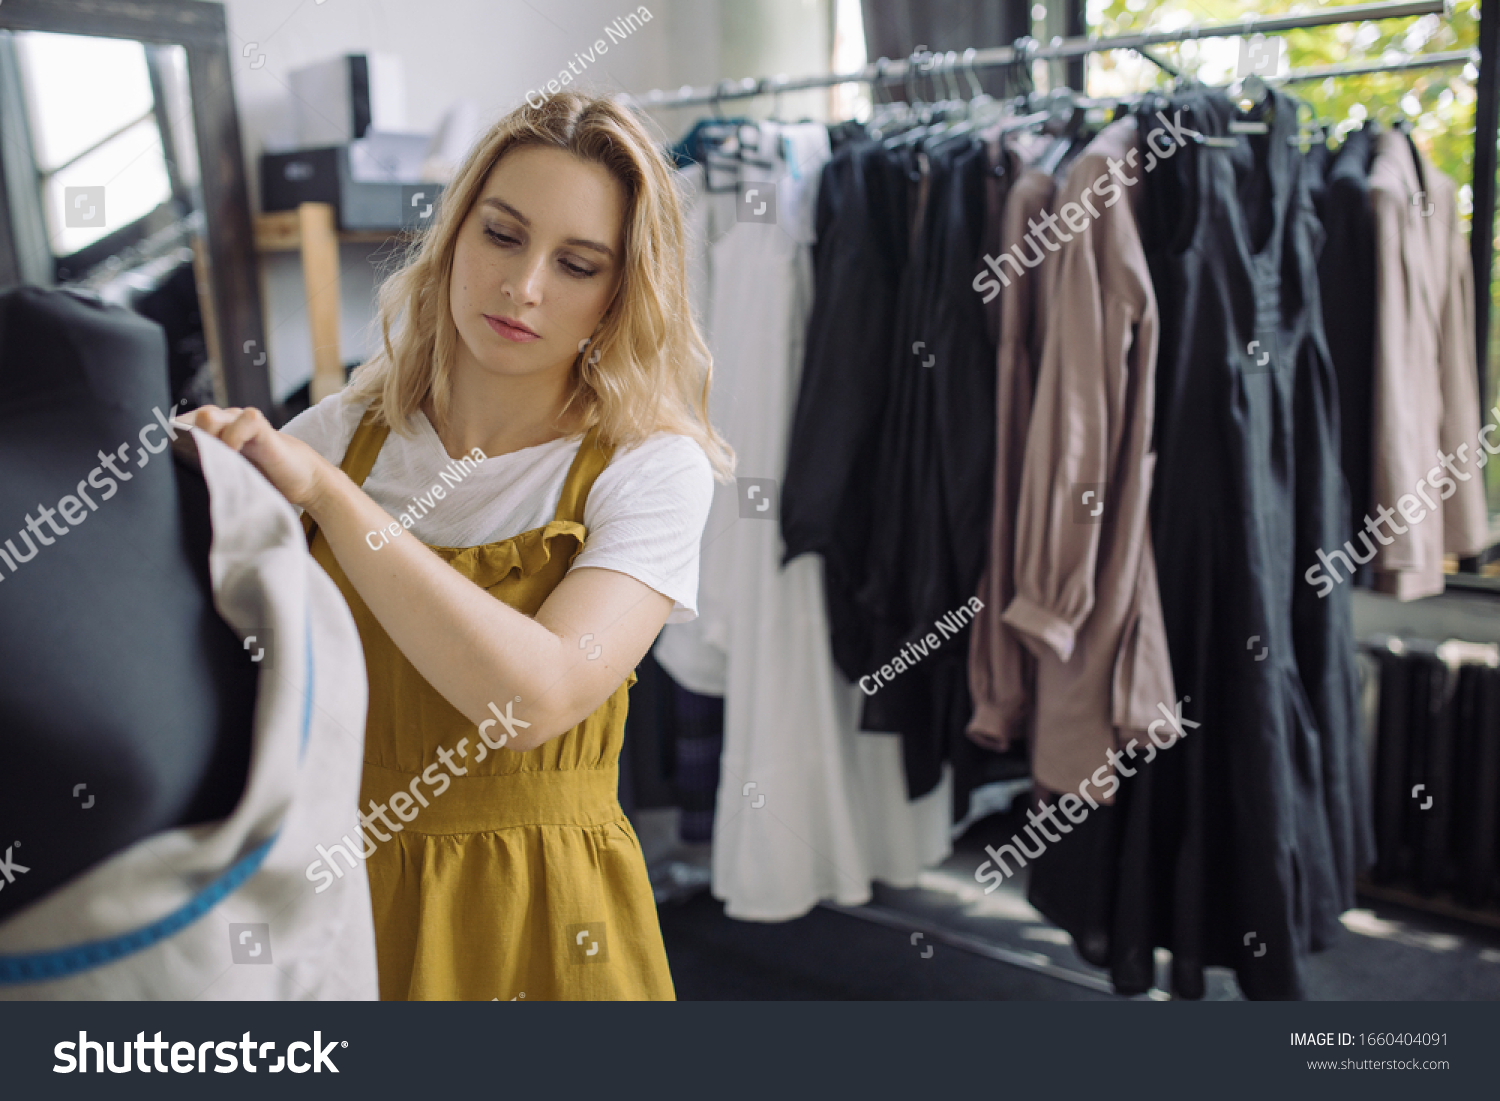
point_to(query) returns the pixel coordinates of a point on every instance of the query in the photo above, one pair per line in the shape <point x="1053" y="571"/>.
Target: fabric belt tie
<point x="475" y="804"/>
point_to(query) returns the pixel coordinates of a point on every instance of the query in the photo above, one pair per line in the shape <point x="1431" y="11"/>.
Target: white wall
<point x="490" y="51"/>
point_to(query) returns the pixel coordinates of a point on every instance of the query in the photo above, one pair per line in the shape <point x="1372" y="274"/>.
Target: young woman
<point x="542" y="323"/>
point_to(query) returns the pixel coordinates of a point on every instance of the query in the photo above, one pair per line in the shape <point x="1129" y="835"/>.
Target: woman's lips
<point x="510" y="330"/>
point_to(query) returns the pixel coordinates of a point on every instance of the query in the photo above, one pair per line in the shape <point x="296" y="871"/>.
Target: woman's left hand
<point x="290" y="465"/>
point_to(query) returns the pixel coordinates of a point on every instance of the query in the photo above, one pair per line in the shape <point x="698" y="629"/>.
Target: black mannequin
<point x="116" y="672"/>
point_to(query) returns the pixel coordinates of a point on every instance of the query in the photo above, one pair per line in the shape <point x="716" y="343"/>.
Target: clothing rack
<point x="1421" y="61"/>
<point x="160" y="252"/>
<point x="1026" y="50"/>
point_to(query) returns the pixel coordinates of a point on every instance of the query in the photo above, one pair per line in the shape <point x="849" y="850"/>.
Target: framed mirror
<point x="121" y="173"/>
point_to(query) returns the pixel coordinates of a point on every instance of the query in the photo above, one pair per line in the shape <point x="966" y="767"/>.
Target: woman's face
<point x="536" y="262"/>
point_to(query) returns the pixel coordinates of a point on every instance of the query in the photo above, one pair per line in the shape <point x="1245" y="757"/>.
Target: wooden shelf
<point x="312" y="229"/>
<point x="282" y="232"/>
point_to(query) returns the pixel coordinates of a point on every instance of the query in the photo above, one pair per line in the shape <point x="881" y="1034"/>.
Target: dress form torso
<point x="126" y="702"/>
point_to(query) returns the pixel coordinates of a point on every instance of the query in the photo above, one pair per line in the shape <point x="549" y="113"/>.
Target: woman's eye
<point x="506" y="240"/>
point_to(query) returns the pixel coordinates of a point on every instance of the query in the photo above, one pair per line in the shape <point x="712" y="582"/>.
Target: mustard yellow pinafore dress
<point x="523" y="879"/>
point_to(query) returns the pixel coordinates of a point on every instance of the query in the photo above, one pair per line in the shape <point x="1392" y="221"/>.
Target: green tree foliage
<point x="1440" y="102"/>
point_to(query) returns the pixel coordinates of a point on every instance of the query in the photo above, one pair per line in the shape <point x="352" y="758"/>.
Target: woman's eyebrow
<point x="580" y="242"/>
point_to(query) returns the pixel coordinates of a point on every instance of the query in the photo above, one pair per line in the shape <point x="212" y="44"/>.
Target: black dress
<point x="935" y="476"/>
<point x="1238" y="846"/>
<point x="891" y="459"/>
<point x="1347" y="284"/>
<point x="828" y="496"/>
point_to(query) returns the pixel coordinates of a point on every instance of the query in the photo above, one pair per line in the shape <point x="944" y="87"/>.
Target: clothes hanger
<point x="1392" y="117"/>
<point x="1207" y="141"/>
<point x="774" y="86"/>
<point x="721" y="151"/>
<point x="959" y="104"/>
<point x="981" y="110"/>
<point x="1313" y="132"/>
<point x="751" y="137"/>
<point x="883" y="112"/>
<point x="1063" y="122"/>
<point x="895" y="117"/>
<point x="1251" y="84"/>
<point x="1156" y="59"/>
<point x="1248" y="95"/>
<point x="733" y="136"/>
<point x="920" y="109"/>
<point x="951" y="112"/>
<point x="978" y="97"/>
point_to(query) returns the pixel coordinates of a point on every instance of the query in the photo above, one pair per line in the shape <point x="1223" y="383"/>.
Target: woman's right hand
<point x="290" y="465"/>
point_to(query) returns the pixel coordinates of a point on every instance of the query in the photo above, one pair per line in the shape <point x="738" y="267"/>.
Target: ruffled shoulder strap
<point x="592" y="457"/>
<point x="359" y="458"/>
<point x="364" y="449"/>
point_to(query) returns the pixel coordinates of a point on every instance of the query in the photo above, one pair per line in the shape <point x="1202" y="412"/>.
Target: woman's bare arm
<point x="475" y="650"/>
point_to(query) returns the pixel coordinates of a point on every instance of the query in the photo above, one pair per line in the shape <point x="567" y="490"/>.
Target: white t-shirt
<point x="645" y="513"/>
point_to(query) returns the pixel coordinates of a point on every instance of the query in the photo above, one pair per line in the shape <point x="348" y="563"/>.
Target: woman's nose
<point x="524" y="286"/>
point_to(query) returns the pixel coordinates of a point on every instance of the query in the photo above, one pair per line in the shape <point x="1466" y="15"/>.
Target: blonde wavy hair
<point x="647" y="368"/>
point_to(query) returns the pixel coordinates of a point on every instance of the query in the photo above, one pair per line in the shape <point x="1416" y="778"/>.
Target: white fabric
<point x="827" y="812"/>
<point x="644" y="513"/>
<point x="321" y="946"/>
<point x="694" y="654"/>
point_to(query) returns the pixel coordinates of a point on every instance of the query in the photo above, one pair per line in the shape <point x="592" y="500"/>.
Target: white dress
<point x="809" y="807"/>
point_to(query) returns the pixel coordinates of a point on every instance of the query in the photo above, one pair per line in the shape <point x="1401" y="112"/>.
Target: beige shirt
<point x="1086" y="601"/>
<point x="1000" y="668"/>
<point x="1426" y="401"/>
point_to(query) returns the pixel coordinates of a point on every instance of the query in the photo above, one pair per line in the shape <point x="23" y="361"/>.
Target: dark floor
<point x="945" y="939"/>
<point x="828" y="956"/>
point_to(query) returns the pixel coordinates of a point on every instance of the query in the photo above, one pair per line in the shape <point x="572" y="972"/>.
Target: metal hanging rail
<point x="1420" y="61"/>
<point x="886" y="71"/>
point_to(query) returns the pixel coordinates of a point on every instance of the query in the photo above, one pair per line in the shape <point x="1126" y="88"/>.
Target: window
<point x="95" y="125"/>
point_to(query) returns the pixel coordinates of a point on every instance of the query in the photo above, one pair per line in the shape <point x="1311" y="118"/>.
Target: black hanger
<point x="1019" y="79"/>
<point x="1063" y="122"/>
